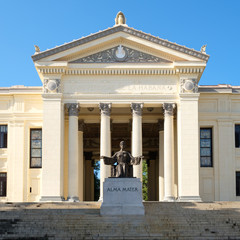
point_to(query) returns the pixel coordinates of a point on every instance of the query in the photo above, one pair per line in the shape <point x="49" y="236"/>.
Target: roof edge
<point x="126" y="29"/>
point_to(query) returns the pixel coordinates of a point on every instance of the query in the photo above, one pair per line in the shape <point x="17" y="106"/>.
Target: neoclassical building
<point x="120" y="84"/>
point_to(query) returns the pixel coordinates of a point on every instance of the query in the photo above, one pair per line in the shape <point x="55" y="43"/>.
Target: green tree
<point x="145" y="180"/>
<point x="96" y="180"/>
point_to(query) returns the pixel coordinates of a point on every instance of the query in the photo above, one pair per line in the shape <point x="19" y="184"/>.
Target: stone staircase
<point x="45" y="221"/>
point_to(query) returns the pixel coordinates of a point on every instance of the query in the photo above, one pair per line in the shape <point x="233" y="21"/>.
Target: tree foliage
<point x="96" y="180"/>
<point x="145" y="180"/>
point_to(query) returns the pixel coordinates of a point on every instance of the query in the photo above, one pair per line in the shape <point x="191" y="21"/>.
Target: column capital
<point x="137" y="108"/>
<point x="81" y="125"/>
<point x="73" y="109"/>
<point x="169" y="108"/>
<point x="105" y="108"/>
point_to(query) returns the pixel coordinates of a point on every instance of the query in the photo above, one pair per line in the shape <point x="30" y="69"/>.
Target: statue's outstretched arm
<point x="108" y="160"/>
<point x="135" y="160"/>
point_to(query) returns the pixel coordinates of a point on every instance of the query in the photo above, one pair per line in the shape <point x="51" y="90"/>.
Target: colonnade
<point x="75" y="154"/>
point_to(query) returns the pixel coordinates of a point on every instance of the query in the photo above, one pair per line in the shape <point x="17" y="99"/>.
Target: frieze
<point x="52" y="86"/>
<point x="105" y="108"/>
<point x="121" y="85"/>
<point x="188" y="85"/>
<point x="120" y="54"/>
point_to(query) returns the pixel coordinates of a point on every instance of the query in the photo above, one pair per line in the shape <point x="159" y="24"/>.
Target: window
<point x="238" y="183"/>
<point x="206" y="147"/>
<point x="3" y="184"/>
<point x="35" y="148"/>
<point x="3" y="136"/>
<point x="237" y="136"/>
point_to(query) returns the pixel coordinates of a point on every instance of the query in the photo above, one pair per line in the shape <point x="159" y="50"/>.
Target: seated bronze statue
<point x="122" y="162"/>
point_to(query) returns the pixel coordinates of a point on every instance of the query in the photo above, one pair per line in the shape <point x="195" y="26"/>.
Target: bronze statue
<point x="123" y="161"/>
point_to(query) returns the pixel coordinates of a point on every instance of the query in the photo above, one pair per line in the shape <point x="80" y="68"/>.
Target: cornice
<point x="124" y="29"/>
<point x="20" y="90"/>
<point x="122" y="71"/>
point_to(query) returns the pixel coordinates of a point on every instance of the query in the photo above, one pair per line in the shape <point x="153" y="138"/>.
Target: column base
<point x="51" y="199"/>
<point x="189" y="199"/>
<point x="73" y="199"/>
<point x="169" y="199"/>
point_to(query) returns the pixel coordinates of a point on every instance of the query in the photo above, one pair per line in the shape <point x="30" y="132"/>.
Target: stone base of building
<point x="122" y="196"/>
<point x="51" y="199"/>
<point x="189" y="199"/>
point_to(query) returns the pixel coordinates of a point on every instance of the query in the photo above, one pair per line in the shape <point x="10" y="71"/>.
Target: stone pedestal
<point x="122" y="196"/>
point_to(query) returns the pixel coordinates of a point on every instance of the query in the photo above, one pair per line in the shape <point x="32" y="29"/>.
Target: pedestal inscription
<point x="122" y="196"/>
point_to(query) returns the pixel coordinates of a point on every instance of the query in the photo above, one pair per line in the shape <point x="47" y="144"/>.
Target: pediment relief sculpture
<point x="120" y="54"/>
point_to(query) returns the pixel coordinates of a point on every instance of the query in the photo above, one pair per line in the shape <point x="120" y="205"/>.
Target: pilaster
<point x="16" y="162"/>
<point x="52" y="156"/>
<point x="226" y="160"/>
<point x="161" y="160"/>
<point x="188" y="147"/>
<point x="80" y="160"/>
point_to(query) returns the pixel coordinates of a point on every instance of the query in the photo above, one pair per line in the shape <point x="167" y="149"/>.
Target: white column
<point x="80" y="161"/>
<point x="137" y="136"/>
<point x="161" y="161"/>
<point x="73" y="111"/>
<point x="105" y="143"/>
<point x="168" y="151"/>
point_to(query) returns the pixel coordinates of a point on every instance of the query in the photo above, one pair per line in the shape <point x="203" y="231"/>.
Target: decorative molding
<point x="188" y="85"/>
<point x="121" y="28"/>
<point x="73" y="109"/>
<point x="81" y="125"/>
<point x="120" y="54"/>
<point x="52" y="70"/>
<point x="52" y="86"/>
<point x="121" y="72"/>
<point x="188" y="70"/>
<point x="137" y="108"/>
<point x="105" y="108"/>
<point x="169" y="108"/>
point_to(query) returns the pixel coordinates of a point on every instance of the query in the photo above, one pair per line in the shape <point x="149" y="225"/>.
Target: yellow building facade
<point x="120" y="84"/>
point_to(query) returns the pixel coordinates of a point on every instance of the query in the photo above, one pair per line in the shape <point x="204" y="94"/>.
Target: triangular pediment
<point x="120" y="54"/>
<point x="105" y="39"/>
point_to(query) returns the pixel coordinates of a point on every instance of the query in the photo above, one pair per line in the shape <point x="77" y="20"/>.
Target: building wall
<point x="20" y="110"/>
<point x="220" y="111"/>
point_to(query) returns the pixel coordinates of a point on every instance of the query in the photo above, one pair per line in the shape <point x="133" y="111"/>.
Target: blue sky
<point x="50" y="23"/>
